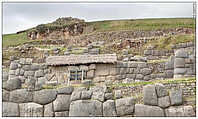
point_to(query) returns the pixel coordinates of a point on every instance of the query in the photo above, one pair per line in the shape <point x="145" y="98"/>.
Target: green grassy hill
<point x="112" y="25"/>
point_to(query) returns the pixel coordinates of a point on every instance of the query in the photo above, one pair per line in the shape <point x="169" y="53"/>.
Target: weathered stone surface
<point x="102" y="70"/>
<point x="13" y="66"/>
<point x="76" y="95"/>
<point x="148" y="111"/>
<point x="31" y="110"/>
<point x="35" y="67"/>
<point x="161" y="90"/>
<point x="118" y="94"/>
<point x="125" y="106"/>
<point x="85" y="108"/>
<point x="179" y="71"/>
<point x="17" y="72"/>
<point x="132" y="64"/>
<point x="109" y="109"/>
<point x="181" y="53"/>
<point x="179" y="63"/>
<point x="180" y="111"/>
<point x="48" y="110"/>
<point x="29" y="73"/>
<point x="5" y="75"/>
<point x="21" y="96"/>
<point x="98" y="96"/>
<point x="142" y="65"/>
<point x="5" y="95"/>
<point x="44" y="96"/>
<point x="90" y="74"/>
<point x="108" y="96"/>
<point x="92" y="66"/>
<point x="149" y="95"/>
<point x="139" y="76"/>
<point x="169" y="73"/>
<point x="30" y="83"/>
<point x="86" y="95"/>
<point x="10" y="109"/>
<point x="164" y="102"/>
<point x="62" y="114"/>
<point x="39" y="73"/>
<point x="113" y="71"/>
<point x="41" y="80"/>
<point x="65" y="90"/>
<point x="28" y="61"/>
<point x="13" y="84"/>
<point x="62" y="103"/>
<point x="84" y="67"/>
<point x="98" y="88"/>
<point x="176" y="97"/>
<point x="146" y="71"/>
<point x="22" y="61"/>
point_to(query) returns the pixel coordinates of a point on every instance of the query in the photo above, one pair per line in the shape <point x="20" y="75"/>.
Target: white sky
<point x="21" y="16"/>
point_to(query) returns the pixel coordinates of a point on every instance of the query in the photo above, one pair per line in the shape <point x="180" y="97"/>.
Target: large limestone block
<point x="179" y="63"/>
<point x="181" y="53"/>
<point x="13" y="84"/>
<point x="5" y="95"/>
<point x="10" y="109"/>
<point x="76" y="95"/>
<point x="86" y="95"/>
<point x="65" y="90"/>
<point x="180" y="111"/>
<point x="85" y="108"/>
<point x="31" y="110"/>
<point x="44" y="96"/>
<point x="180" y="71"/>
<point x="48" y="110"/>
<point x="62" y="103"/>
<point x="109" y="109"/>
<point x="146" y="71"/>
<point x="149" y="95"/>
<point x="39" y="73"/>
<point x="148" y="111"/>
<point x="13" y="66"/>
<point x="161" y="90"/>
<point x="176" y="97"/>
<point x="90" y="74"/>
<point x="125" y="106"/>
<point x="21" y="96"/>
<point x="170" y="63"/>
<point x="164" y="102"/>
<point x="102" y="70"/>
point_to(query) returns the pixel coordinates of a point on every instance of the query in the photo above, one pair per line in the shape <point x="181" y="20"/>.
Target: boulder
<point x="35" y="67"/>
<point x="31" y="110"/>
<point x="13" y="66"/>
<point x="29" y="73"/>
<point x="48" y="110"/>
<point x="26" y="67"/>
<point x="180" y="111"/>
<point x="13" y="84"/>
<point x="146" y="71"/>
<point x="62" y="114"/>
<point x="161" y="90"/>
<point x="44" y="96"/>
<point x="176" y="97"/>
<point x="164" y="102"/>
<point x="86" y="95"/>
<point x="85" y="108"/>
<point x="149" y="95"/>
<point x="109" y="109"/>
<point x="62" y="103"/>
<point x="139" y="76"/>
<point x="65" y="90"/>
<point x="181" y="53"/>
<point x="10" y="109"/>
<point x="148" y="111"/>
<point x="76" y="95"/>
<point x="21" y="96"/>
<point x="125" y="106"/>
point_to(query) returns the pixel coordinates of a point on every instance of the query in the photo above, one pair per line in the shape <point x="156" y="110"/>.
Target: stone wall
<point x="95" y="101"/>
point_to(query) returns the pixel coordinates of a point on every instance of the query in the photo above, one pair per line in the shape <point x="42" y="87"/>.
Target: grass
<point x="155" y="61"/>
<point x="143" y="24"/>
<point x="156" y="81"/>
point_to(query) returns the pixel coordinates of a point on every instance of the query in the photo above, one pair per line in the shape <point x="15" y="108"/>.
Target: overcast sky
<point x="21" y="16"/>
